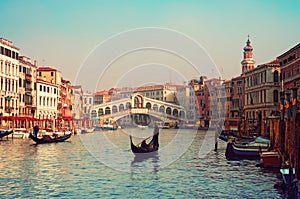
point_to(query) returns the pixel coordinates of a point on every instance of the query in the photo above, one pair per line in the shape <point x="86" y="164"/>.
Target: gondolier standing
<point x="154" y="144"/>
<point x="35" y="130"/>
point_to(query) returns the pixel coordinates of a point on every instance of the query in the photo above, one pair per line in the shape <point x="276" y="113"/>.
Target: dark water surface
<point x="75" y="169"/>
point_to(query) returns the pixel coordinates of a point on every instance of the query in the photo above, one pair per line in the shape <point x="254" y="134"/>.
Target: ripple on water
<point x="68" y="170"/>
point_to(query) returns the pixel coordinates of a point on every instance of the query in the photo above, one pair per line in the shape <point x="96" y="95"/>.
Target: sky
<point x="65" y="35"/>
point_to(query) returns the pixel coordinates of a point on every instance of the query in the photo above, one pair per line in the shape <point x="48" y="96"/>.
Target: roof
<point x="8" y="43"/>
<point x="275" y="61"/>
<point x="45" y="68"/>
<point x="289" y="51"/>
<point x="238" y="77"/>
<point x="104" y="92"/>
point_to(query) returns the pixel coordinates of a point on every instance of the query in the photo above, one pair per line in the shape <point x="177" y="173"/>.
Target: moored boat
<point x="4" y="133"/>
<point x="109" y="124"/>
<point x="237" y="150"/>
<point x="108" y="127"/>
<point x="270" y="159"/>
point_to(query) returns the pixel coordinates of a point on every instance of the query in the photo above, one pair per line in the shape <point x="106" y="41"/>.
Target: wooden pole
<point x="282" y="127"/>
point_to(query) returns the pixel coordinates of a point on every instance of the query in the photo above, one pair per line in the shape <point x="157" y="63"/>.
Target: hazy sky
<point x="63" y="33"/>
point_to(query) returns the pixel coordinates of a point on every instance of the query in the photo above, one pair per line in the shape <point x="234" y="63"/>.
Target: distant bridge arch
<point x="138" y="104"/>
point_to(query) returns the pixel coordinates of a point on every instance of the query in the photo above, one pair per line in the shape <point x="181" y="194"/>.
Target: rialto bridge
<point x="138" y="104"/>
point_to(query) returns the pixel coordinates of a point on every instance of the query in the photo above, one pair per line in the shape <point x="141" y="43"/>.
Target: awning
<point x="95" y="118"/>
<point x="28" y="94"/>
<point x="67" y="118"/>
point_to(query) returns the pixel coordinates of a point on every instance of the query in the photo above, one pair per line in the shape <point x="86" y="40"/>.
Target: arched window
<point x="114" y="109"/>
<point x="168" y="110"/>
<point x="100" y="111"/>
<point x="175" y="112"/>
<point x="121" y="107"/>
<point x="162" y="109"/>
<point x="107" y="110"/>
<point x="148" y="105"/>
<point x="155" y="107"/>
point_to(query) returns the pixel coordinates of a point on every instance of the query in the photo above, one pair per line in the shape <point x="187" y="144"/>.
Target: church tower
<point x="247" y="62"/>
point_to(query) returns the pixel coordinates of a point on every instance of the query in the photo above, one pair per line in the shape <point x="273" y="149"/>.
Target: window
<point x="41" y="87"/>
<point x="275" y="95"/>
<point x="52" y="74"/>
<point x="276" y="79"/>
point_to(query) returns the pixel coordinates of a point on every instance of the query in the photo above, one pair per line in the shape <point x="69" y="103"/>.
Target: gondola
<point x="151" y="147"/>
<point x="48" y="139"/>
<point x="5" y="133"/>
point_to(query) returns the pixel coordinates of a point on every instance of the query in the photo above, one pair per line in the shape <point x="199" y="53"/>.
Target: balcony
<point x="28" y="75"/>
<point x="28" y="89"/>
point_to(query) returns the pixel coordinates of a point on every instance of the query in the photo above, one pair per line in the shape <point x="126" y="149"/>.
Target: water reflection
<point x="145" y="162"/>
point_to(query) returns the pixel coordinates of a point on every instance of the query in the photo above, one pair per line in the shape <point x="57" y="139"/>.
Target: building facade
<point x="9" y="78"/>
<point x="290" y="69"/>
<point x="47" y="93"/>
<point x="27" y="87"/>
<point x="66" y="95"/>
<point x="88" y="102"/>
<point x="77" y="103"/>
<point x="262" y="88"/>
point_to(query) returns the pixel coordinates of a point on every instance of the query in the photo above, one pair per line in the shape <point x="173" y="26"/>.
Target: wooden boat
<point x="109" y="124"/>
<point x="48" y="139"/>
<point x="270" y="159"/>
<point x="108" y="127"/>
<point x="166" y="125"/>
<point x="237" y="150"/>
<point x="5" y="133"/>
<point x="152" y="146"/>
<point x="144" y="149"/>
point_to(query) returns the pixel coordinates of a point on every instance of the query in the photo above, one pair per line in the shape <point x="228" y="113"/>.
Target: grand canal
<point x="87" y="167"/>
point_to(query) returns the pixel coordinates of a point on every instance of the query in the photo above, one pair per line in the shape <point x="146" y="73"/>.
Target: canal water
<point x="100" y="165"/>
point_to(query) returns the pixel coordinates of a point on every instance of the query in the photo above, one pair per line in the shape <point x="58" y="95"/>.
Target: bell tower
<point x="247" y="62"/>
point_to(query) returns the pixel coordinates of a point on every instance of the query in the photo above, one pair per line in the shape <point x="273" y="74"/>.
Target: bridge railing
<point x="139" y="111"/>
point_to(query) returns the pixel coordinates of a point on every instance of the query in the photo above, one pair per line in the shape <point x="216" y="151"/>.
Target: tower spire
<point x="247" y="62"/>
<point x="248" y="41"/>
